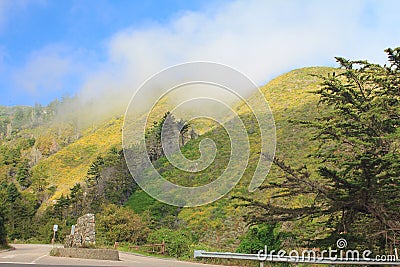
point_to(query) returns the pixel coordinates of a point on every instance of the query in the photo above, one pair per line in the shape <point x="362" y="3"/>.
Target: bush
<point x="178" y="242"/>
<point x="120" y="224"/>
<point x="260" y="236"/>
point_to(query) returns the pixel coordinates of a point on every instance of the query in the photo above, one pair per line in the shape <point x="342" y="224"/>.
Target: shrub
<point x="260" y="236"/>
<point x="120" y="224"/>
<point x="177" y="242"/>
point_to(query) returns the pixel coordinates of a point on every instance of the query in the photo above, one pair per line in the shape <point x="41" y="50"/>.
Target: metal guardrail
<point x="289" y="259"/>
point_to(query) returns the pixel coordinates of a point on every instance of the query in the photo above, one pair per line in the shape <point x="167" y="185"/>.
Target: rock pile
<point x="84" y="234"/>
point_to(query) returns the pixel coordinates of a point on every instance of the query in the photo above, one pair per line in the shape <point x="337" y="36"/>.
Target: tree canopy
<point x="356" y="184"/>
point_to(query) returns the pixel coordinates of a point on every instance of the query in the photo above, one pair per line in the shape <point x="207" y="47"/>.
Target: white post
<point x="53" y="239"/>
<point x="55" y="228"/>
<point x="261" y="264"/>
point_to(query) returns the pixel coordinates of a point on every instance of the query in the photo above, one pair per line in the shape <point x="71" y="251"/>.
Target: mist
<point x="261" y="39"/>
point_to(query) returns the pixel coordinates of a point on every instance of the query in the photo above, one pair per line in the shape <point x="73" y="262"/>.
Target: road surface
<point x="38" y="255"/>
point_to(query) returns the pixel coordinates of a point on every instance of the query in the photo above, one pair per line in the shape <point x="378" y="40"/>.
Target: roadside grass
<point x="125" y="247"/>
<point x="2" y="248"/>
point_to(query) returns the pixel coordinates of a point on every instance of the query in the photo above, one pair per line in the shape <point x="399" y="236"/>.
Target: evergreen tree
<point x="109" y="180"/>
<point x="184" y="128"/>
<point x="23" y="174"/>
<point x="358" y="176"/>
<point x="76" y="199"/>
<point x="3" y="232"/>
<point x="40" y="178"/>
<point x="94" y="190"/>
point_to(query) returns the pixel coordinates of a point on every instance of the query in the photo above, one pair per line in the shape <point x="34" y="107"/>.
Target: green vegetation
<point x="260" y="236"/>
<point x="82" y="176"/>
<point x="355" y="186"/>
<point x="335" y="171"/>
<point x="178" y="241"/>
<point x="221" y="224"/>
<point x="120" y="224"/>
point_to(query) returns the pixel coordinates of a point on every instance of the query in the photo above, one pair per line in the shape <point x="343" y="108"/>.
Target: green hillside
<point x="288" y="96"/>
<point x="73" y="167"/>
<point x="220" y="224"/>
<point x="70" y="165"/>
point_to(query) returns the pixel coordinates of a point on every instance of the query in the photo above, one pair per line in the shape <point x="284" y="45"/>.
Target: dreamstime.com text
<point x="339" y="254"/>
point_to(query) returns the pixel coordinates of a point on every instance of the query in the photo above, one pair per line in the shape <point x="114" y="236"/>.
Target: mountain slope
<point x="70" y="165"/>
<point x="220" y="223"/>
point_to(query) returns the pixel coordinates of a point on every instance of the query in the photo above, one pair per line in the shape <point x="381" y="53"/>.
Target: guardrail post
<point x="198" y="253"/>
<point x="261" y="264"/>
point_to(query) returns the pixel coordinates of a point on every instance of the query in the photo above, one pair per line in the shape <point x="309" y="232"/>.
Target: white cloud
<point x="43" y="71"/>
<point x="260" y="38"/>
<point x="47" y="70"/>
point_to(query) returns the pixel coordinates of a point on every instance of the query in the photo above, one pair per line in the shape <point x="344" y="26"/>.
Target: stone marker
<point x="80" y="243"/>
<point x="84" y="234"/>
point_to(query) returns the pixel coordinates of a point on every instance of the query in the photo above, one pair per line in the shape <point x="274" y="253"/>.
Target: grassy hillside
<point x="289" y="98"/>
<point x="220" y="223"/>
<point x="70" y="165"/>
<point x="66" y="157"/>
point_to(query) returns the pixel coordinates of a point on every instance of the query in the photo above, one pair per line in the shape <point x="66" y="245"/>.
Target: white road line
<point x="15" y="262"/>
<point x="130" y="261"/>
<point x="34" y="261"/>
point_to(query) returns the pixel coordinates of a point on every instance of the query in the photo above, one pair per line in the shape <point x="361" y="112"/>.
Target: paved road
<point x="38" y="255"/>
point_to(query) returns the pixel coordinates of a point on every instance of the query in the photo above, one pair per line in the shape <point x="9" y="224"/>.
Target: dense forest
<point x="335" y="174"/>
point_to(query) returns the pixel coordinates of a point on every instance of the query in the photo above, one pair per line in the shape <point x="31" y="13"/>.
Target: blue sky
<point x="49" y="49"/>
<point x="30" y="26"/>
